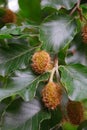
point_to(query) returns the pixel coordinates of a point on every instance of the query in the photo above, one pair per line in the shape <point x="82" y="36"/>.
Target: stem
<point x="85" y="18"/>
<point x="82" y="17"/>
<point x="75" y="8"/>
<point x="55" y="69"/>
<point x="57" y="73"/>
<point x="52" y="74"/>
<point x="56" y="66"/>
<point x="80" y="13"/>
<point x="78" y="3"/>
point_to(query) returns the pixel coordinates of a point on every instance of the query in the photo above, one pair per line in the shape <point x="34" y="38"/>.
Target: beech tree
<point x="43" y="65"/>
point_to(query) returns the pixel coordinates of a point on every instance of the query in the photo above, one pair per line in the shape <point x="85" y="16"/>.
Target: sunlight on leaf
<point x="57" y="4"/>
<point x="57" y="31"/>
<point x="23" y="83"/>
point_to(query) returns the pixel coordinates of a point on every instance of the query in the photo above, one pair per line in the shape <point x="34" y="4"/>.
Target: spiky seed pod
<point x="41" y="60"/>
<point x="51" y="95"/>
<point x="75" y="112"/>
<point x="8" y="17"/>
<point x="84" y="33"/>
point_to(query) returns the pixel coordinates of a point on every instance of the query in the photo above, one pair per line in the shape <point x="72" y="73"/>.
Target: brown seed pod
<point x="51" y="95"/>
<point x="8" y="17"/>
<point x="84" y="33"/>
<point x="41" y="60"/>
<point x="75" y="112"/>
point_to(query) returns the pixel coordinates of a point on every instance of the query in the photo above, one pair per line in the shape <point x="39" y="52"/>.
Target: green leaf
<point x="12" y="31"/>
<point x="77" y="52"/>
<point x="57" y="4"/>
<point x="3" y="106"/>
<point x="14" y="57"/>
<point x="68" y="126"/>
<point x="31" y="9"/>
<point x="74" y="78"/>
<point x="57" y="31"/>
<point x="83" y="125"/>
<point x="23" y="83"/>
<point x="6" y="32"/>
<point x="3" y="3"/>
<point x="24" y="115"/>
<point x="28" y="93"/>
<point x="54" y="122"/>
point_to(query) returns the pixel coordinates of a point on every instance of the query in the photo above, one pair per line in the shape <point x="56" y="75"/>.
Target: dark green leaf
<point x="31" y="9"/>
<point x="74" y="78"/>
<point x="54" y="122"/>
<point x="83" y="125"/>
<point x="14" y="57"/>
<point x="57" y="31"/>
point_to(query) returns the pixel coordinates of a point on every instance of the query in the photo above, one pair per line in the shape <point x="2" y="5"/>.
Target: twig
<point x="80" y="13"/>
<point x="75" y="8"/>
<point x="82" y="17"/>
<point x="78" y="3"/>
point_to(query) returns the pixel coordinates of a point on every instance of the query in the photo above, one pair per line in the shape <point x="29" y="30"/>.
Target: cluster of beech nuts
<point x="84" y="33"/>
<point x="7" y="16"/>
<point x="52" y="92"/>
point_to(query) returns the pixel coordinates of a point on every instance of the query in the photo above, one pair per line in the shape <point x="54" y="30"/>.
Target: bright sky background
<point x="13" y="5"/>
